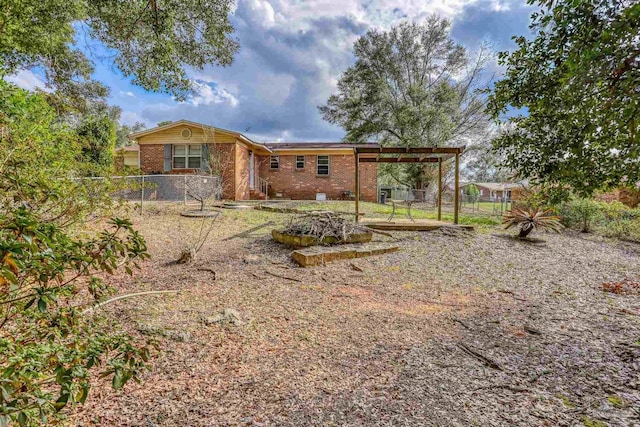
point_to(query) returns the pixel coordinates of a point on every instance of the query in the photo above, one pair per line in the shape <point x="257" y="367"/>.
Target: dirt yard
<point x="455" y="329"/>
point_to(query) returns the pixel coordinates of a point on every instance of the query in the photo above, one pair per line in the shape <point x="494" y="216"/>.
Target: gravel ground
<point x="456" y="329"/>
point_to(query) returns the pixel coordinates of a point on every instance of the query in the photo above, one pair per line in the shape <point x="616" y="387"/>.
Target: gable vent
<point x="186" y="133"/>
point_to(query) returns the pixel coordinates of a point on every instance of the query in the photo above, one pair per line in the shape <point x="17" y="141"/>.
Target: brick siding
<point x="305" y="183"/>
<point x="152" y="162"/>
<point x="292" y="183"/>
<point x="242" y="173"/>
<point x="226" y="153"/>
<point x="152" y="158"/>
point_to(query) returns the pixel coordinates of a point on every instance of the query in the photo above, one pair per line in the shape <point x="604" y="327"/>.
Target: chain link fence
<point x="168" y="188"/>
<point x="469" y="204"/>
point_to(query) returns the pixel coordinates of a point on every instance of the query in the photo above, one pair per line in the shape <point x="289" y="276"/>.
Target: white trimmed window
<point x="274" y="162"/>
<point x="187" y="156"/>
<point x="323" y="165"/>
<point x="299" y="162"/>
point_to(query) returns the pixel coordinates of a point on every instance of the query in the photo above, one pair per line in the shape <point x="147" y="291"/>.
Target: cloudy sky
<point x="292" y="54"/>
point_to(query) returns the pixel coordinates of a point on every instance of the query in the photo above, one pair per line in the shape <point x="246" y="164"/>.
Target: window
<point x="187" y="156"/>
<point x="323" y="165"/>
<point x="299" y="162"/>
<point x="274" y="163"/>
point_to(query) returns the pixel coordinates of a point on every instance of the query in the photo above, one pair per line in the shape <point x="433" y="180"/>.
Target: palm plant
<point x="530" y="219"/>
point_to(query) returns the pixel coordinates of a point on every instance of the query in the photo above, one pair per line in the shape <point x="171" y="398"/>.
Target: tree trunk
<point x="525" y="232"/>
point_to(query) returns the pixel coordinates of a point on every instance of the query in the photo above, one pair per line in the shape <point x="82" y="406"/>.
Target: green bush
<point x="53" y="268"/>
<point x="612" y="219"/>
<point x="628" y="229"/>
<point x="580" y="213"/>
<point x="472" y="193"/>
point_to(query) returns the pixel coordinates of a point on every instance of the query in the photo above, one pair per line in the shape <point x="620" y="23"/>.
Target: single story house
<point x="254" y="170"/>
<point x="497" y="190"/>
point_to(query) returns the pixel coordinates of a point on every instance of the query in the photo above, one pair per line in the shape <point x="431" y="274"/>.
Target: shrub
<point x="52" y="268"/>
<point x="472" y="193"/>
<point x="580" y="213"/>
<point x="47" y="345"/>
<point x="531" y="219"/>
<point x="612" y="219"/>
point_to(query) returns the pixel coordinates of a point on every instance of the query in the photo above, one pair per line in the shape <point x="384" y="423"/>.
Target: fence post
<point x="185" y="189"/>
<point x="142" y="197"/>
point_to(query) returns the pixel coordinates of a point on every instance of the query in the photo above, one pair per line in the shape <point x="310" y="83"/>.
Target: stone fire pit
<point x="303" y="241"/>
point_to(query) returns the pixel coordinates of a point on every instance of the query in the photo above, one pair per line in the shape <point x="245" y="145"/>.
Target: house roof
<point x="316" y="145"/>
<point x="497" y="186"/>
<point x="183" y="122"/>
<point x="129" y="148"/>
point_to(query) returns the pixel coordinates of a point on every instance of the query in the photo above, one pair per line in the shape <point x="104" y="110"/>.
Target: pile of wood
<point x="322" y="225"/>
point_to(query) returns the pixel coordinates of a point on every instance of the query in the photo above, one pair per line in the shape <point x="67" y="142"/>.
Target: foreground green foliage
<point x="52" y="267"/>
<point x="151" y="41"/>
<point x="47" y="344"/>
<point x="575" y="88"/>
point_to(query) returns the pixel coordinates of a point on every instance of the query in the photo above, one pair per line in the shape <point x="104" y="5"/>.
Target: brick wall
<point x="516" y="193"/>
<point x="241" y="172"/>
<point x="152" y="158"/>
<point x="225" y="157"/>
<point x="262" y="166"/>
<point x="152" y="162"/>
<point x="305" y="183"/>
<point x="295" y="184"/>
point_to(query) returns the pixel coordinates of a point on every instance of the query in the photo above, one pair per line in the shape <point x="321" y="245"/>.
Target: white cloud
<point x="262" y="11"/>
<point x="207" y="94"/>
<point x="500" y="6"/>
<point x="127" y="93"/>
<point x="130" y="118"/>
<point x="291" y="57"/>
<point x="27" y="79"/>
<point x="299" y="15"/>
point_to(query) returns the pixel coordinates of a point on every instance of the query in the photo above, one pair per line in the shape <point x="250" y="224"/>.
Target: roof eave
<point x="240" y="136"/>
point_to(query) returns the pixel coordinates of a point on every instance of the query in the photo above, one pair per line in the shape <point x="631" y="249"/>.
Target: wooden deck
<point x="405" y="224"/>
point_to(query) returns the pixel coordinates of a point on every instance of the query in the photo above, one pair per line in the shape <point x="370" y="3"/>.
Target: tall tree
<point x="483" y="163"/>
<point x="123" y="132"/>
<point x="574" y="89"/>
<point x="410" y="86"/>
<point x="152" y="40"/>
<point x="97" y="134"/>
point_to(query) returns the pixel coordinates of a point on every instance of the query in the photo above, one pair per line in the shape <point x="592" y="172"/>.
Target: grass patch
<point x="374" y="210"/>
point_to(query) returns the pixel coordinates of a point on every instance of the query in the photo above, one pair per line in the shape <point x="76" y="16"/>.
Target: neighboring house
<point x="248" y="168"/>
<point x="497" y="190"/>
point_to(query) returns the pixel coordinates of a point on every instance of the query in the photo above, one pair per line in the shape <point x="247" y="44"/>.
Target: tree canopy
<point x="150" y="40"/>
<point x="572" y="92"/>
<point x="482" y="163"/>
<point x="410" y="86"/>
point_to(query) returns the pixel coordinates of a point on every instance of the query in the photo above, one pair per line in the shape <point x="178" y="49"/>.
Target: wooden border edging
<point x="322" y="255"/>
